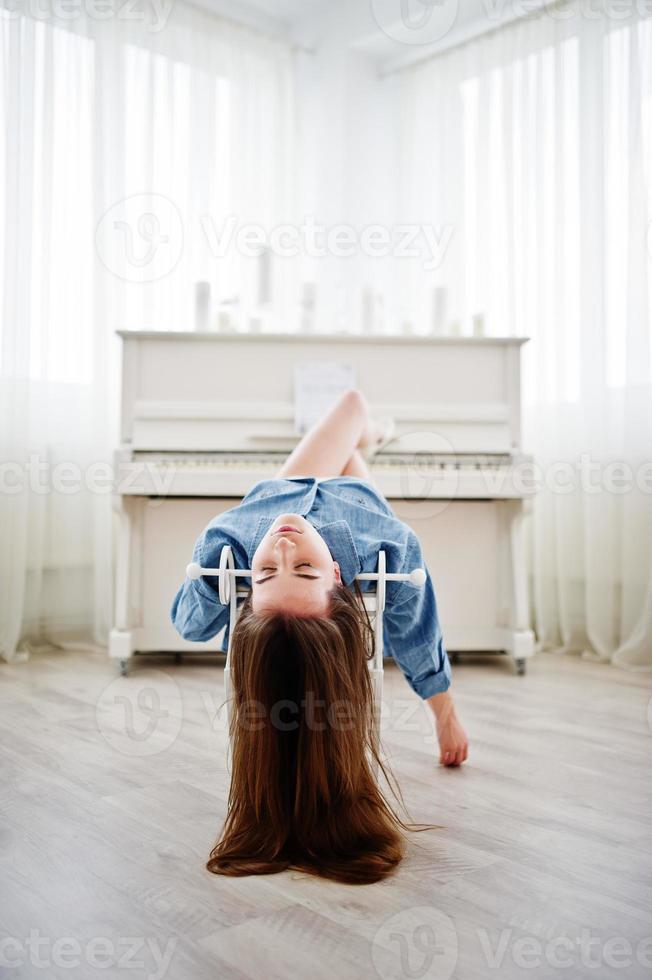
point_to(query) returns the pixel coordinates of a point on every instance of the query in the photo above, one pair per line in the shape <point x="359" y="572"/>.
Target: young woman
<point x="303" y="793"/>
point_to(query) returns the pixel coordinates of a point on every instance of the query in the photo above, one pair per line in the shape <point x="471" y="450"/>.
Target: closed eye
<point x="272" y="569"/>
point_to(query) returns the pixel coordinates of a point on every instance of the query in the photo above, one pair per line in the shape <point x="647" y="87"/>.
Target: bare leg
<point x="330" y="444"/>
<point x="357" y="466"/>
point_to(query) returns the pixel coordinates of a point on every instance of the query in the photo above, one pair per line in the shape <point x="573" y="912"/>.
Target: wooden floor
<point x="113" y="791"/>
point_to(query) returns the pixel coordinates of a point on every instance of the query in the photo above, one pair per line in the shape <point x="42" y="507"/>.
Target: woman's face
<point x="292" y="570"/>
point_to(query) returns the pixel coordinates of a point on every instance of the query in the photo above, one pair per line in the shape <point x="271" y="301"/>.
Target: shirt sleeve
<point x="412" y="634"/>
<point x="197" y="613"/>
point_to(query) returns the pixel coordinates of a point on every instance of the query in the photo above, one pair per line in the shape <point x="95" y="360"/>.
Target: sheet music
<point x="317" y="385"/>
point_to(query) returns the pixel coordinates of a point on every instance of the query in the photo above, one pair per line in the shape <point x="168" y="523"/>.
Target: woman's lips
<point x="287" y="527"/>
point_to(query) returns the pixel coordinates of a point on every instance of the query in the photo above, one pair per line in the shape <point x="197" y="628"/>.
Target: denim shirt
<point x="356" y="522"/>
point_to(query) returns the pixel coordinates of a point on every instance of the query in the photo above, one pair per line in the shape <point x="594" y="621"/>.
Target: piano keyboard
<point x="415" y="476"/>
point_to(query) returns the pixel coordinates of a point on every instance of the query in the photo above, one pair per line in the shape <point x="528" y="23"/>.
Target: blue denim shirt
<point x="355" y="521"/>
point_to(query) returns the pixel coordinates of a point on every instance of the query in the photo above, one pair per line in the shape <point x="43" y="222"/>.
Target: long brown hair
<point x="303" y="792"/>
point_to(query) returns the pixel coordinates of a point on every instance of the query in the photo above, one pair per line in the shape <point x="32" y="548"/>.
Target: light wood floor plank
<point x="545" y="833"/>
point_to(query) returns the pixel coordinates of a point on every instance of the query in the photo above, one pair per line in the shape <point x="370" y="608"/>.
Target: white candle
<point x="368" y="309"/>
<point x="202" y="306"/>
<point x="308" y="304"/>
<point x="265" y="277"/>
<point x="438" y="311"/>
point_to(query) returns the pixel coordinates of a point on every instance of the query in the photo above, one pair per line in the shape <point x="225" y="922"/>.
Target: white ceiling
<point x="288" y="11"/>
<point x="374" y="26"/>
<point x="275" y="16"/>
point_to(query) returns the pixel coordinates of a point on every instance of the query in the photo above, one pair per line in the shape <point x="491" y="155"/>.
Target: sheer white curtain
<point x="125" y="145"/>
<point x="534" y="146"/>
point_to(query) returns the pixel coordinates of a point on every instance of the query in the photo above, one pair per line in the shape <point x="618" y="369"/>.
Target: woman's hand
<point x="453" y="743"/>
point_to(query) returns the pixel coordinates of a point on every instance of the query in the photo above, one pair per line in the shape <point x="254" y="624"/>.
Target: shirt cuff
<point x="433" y="681"/>
<point x="433" y="684"/>
<point x="204" y="590"/>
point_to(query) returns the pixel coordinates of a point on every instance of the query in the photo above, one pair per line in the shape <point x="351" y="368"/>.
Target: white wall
<point x="347" y="125"/>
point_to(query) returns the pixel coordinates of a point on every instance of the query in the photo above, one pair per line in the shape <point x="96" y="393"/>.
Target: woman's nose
<point x="284" y="544"/>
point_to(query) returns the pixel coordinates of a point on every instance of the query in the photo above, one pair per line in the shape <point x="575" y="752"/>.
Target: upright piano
<point x="204" y="416"/>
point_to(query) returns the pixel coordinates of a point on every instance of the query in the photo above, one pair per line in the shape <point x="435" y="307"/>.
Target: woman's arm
<point x="196" y="612"/>
<point x="453" y="743"/>
<point x="414" y="638"/>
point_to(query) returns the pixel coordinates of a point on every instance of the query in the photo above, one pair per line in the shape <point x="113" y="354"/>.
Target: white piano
<point x="204" y="416"/>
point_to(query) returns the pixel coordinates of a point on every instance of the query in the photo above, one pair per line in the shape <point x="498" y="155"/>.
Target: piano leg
<point x="121" y="637"/>
<point x="521" y="636"/>
<point x="120" y="648"/>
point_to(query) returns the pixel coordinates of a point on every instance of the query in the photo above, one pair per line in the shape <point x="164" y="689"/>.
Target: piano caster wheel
<point x="178" y="658"/>
<point x="124" y="667"/>
<point x="454" y="658"/>
<point x="520" y="666"/>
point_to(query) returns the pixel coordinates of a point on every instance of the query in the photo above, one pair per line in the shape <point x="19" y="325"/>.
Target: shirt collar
<point x="338" y="538"/>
